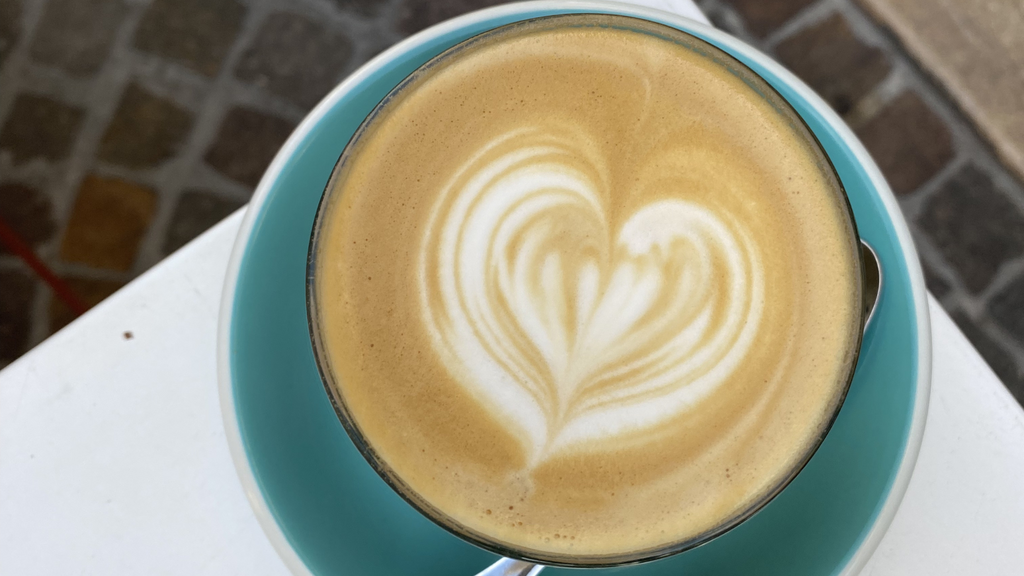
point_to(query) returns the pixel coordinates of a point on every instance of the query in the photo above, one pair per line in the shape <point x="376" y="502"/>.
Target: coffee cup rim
<point x="395" y="481"/>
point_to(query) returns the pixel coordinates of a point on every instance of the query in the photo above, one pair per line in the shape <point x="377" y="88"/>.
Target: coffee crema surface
<point x="585" y="291"/>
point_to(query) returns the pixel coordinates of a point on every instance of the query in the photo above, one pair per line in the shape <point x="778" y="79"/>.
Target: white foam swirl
<point x="568" y="333"/>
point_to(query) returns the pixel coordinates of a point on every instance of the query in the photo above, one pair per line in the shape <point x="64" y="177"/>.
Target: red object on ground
<point x="22" y="250"/>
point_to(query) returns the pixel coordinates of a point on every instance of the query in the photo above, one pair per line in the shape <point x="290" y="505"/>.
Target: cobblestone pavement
<point x="127" y="127"/>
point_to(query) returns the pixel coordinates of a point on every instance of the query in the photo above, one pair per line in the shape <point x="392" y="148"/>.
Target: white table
<point x="113" y="458"/>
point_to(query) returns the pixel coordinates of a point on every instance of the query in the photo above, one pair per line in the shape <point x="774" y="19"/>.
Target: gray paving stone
<point x="762" y="17"/>
<point x="1007" y="309"/>
<point x="17" y="290"/>
<point x="145" y="130"/>
<point x="28" y="212"/>
<point x="196" y="33"/>
<point x="718" y="17"/>
<point x="246" y="143"/>
<point x="10" y="26"/>
<point x="935" y="283"/>
<point x="38" y="126"/>
<point x="76" y="34"/>
<point x="196" y="211"/>
<point x="833" y="61"/>
<point x="909" y="142"/>
<point x="362" y="7"/>
<point x="976" y="228"/>
<point x="295" y="58"/>
<point x="415" y="15"/>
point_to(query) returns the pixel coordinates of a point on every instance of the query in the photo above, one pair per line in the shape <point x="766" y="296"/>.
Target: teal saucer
<point x="328" y="513"/>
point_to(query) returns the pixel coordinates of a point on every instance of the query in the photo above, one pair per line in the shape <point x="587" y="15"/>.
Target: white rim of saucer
<point x="234" y="438"/>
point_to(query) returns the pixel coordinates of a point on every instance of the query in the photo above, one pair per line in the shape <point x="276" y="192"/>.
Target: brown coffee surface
<point x="585" y="290"/>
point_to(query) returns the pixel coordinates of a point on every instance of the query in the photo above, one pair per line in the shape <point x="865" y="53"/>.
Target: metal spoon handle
<point x="872" y="282"/>
<point x="510" y="567"/>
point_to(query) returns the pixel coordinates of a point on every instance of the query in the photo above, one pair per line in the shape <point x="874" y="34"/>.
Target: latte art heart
<point x="572" y="333"/>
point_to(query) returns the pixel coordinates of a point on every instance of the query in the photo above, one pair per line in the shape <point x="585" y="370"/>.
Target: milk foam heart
<point x="570" y="332"/>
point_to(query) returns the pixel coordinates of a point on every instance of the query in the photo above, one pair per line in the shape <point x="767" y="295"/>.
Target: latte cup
<point x="543" y="310"/>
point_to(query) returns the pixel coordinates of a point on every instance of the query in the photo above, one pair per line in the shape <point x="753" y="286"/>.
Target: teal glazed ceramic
<point x="328" y="513"/>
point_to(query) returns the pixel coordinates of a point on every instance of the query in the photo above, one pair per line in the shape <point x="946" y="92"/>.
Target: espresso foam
<point x="585" y="291"/>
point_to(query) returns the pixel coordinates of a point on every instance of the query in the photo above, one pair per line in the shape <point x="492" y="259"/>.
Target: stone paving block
<point x="107" y="223"/>
<point x="974" y="226"/>
<point x="1007" y="309"/>
<point x="196" y="211"/>
<point x="763" y="16"/>
<point x="10" y="26"/>
<point x="295" y="58"/>
<point x="246" y="143"/>
<point x="90" y="291"/>
<point x="38" y="126"/>
<point x="936" y="285"/>
<point x="362" y="7"/>
<point x="1002" y="363"/>
<point x="17" y="290"/>
<point x="76" y="34"/>
<point x="908" y="141"/>
<point x="415" y="15"/>
<point x="718" y="18"/>
<point x="833" y="61"/>
<point x="196" y="33"/>
<point x="145" y="131"/>
<point x="28" y="212"/>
